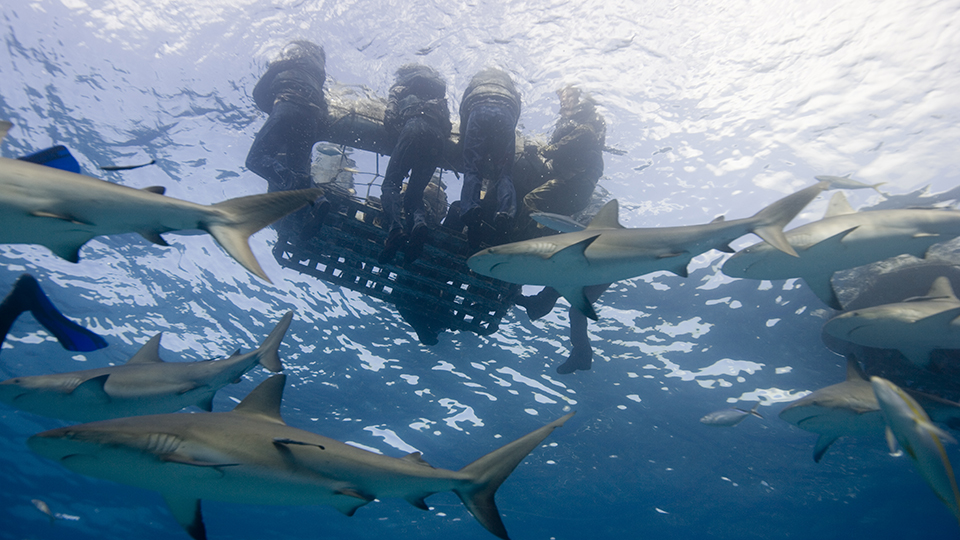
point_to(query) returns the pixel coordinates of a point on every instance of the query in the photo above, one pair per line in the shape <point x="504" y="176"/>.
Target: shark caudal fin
<point x="770" y="221"/>
<point x="27" y="295"/>
<point x="241" y="217"/>
<point x="488" y="472"/>
<point x="267" y="352"/>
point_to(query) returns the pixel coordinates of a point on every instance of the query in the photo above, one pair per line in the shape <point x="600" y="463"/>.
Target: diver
<point x="489" y="112"/>
<point x="291" y="93"/>
<point x="418" y="117"/>
<point x="575" y="161"/>
<point x="575" y="155"/>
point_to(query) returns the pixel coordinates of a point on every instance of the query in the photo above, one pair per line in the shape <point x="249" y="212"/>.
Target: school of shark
<point x="128" y="424"/>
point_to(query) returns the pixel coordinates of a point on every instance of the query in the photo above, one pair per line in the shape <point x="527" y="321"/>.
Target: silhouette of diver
<point x="28" y="296"/>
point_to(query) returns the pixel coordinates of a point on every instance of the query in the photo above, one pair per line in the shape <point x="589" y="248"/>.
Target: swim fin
<point x="28" y="296"/>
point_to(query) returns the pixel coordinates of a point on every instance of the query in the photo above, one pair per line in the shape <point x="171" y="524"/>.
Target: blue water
<point x="721" y="107"/>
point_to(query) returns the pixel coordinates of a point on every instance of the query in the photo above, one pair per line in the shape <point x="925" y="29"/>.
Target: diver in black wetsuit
<point x="27" y="295"/>
<point x="291" y="92"/>
<point x="418" y="117"/>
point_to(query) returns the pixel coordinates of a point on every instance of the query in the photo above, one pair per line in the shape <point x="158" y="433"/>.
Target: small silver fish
<point x="729" y="417"/>
<point x="845" y="182"/>
<point x="42" y="506"/>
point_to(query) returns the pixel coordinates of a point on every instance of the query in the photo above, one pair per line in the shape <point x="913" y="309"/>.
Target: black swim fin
<point x="57" y="157"/>
<point x="28" y="296"/>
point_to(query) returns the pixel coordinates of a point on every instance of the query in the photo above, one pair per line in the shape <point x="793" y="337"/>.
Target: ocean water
<point x="720" y="107"/>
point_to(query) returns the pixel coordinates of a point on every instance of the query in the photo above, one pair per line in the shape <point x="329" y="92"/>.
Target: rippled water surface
<point x="720" y="108"/>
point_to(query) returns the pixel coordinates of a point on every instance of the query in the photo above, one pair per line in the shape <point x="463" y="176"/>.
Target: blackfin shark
<point x="63" y="210"/>
<point x="249" y="455"/>
<point x="915" y="326"/>
<point x="845" y="239"/>
<point x="730" y="417"/>
<point x="909" y="426"/>
<point x="850" y="408"/>
<point x="606" y="252"/>
<point x="143" y="385"/>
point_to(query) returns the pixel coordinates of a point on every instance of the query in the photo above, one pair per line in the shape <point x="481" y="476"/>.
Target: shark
<point x="909" y="426"/>
<point x="143" y="385"/>
<point x="249" y="455"/>
<point x="606" y="251"/>
<point x="850" y="408"/>
<point x="915" y="327"/>
<point x="63" y="210"/>
<point x="845" y="239"/>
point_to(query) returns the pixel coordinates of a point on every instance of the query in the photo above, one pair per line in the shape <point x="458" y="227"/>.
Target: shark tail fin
<point x="487" y="473"/>
<point x="27" y="295"/>
<point x="770" y="221"/>
<point x="237" y="219"/>
<point x="268" y="351"/>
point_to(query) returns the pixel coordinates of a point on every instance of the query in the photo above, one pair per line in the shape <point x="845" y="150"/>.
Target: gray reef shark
<point x="143" y="385"/>
<point x="851" y="408"/>
<point x="606" y="252"/>
<point x="909" y="426"/>
<point x="63" y="210"/>
<point x="249" y="455"/>
<point x="915" y="327"/>
<point x="845" y="239"/>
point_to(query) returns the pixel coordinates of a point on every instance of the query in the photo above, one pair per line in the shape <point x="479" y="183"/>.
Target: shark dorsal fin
<point x="149" y="353"/>
<point x="838" y="206"/>
<point x="941" y="288"/>
<point x="416" y="457"/>
<point x="264" y="401"/>
<point x="853" y="370"/>
<point x="719" y="219"/>
<point x="608" y="217"/>
<point x="159" y="190"/>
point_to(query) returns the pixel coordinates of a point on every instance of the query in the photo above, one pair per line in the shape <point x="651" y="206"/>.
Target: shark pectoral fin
<point x="823" y="288"/>
<point x="206" y="403"/>
<point x="154" y="237"/>
<point x="149" y="353"/>
<point x="188" y="514"/>
<point x="925" y="235"/>
<point x="919" y="356"/>
<point x="92" y="390"/>
<point x="578" y="300"/>
<point x="234" y="220"/>
<point x="823" y="443"/>
<point x="351" y="500"/>
<point x="418" y="502"/>
<point x="892" y="442"/>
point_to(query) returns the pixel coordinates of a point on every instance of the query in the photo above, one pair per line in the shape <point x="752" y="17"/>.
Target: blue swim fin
<point x="57" y="157"/>
<point x="28" y="296"/>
